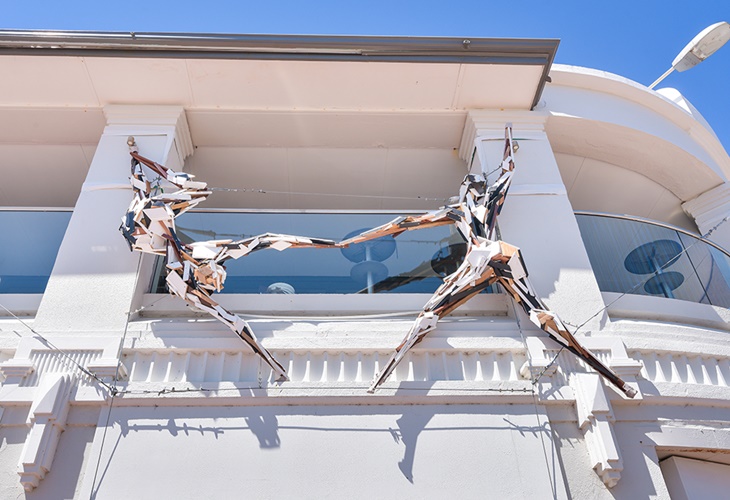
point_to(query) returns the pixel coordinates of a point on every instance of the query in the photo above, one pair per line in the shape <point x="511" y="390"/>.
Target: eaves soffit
<point x="301" y="72"/>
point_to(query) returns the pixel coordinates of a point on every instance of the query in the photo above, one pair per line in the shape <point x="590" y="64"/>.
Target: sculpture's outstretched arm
<point x="443" y="216"/>
<point x="223" y="250"/>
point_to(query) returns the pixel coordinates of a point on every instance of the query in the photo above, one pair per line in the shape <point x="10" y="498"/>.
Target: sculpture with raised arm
<point x="196" y="270"/>
<point x="487" y="261"/>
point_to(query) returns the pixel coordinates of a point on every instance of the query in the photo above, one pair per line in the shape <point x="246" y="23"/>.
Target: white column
<point x="537" y="216"/>
<point x="708" y="210"/>
<point x="92" y="286"/>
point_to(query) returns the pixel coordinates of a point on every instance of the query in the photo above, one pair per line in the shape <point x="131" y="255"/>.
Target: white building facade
<point x="617" y="202"/>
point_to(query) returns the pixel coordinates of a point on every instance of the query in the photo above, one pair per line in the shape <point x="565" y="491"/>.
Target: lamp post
<point x="706" y="43"/>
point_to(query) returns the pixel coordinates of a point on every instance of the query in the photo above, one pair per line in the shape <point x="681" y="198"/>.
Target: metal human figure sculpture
<point x="487" y="261"/>
<point x="195" y="270"/>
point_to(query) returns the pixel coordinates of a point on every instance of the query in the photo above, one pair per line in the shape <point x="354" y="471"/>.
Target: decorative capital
<point x="141" y="119"/>
<point x="489" y="124"/>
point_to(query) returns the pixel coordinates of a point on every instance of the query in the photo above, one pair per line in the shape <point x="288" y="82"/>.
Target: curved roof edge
<point x="668" y="103"/>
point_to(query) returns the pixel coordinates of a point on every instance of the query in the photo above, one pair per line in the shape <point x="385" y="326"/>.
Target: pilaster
<point x="83" y="313"/>
<point x="537" y="215"/>
<point x="92" y="285"/>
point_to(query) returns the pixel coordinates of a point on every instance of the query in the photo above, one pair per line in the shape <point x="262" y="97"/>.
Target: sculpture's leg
<point x="457" y="289"/>
<point x="512" y="275"/>
<point x="194" y="277"/>
<point x="199" y="298"/>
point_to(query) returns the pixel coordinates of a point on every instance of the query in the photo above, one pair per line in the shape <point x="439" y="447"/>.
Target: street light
<point x="706" y="43"/>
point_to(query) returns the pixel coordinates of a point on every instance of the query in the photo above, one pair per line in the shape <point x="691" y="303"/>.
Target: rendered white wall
<point x="429" y="451"/>
<point x="689" y="479"/>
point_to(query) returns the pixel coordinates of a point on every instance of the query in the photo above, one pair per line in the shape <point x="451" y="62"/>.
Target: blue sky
<point x="636" y="39"/>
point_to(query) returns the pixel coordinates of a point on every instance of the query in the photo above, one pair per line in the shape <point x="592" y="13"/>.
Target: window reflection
<point x="637" y="257"/>
<point x="31" y="240"/>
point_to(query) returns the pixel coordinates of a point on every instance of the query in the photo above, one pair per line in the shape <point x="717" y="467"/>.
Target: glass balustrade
<point x="414" y="262"/>
<point x="30" y="242"/>
<point x="630" y="255"/>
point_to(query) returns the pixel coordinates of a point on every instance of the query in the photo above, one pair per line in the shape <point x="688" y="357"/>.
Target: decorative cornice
<point x="709" y="208"/>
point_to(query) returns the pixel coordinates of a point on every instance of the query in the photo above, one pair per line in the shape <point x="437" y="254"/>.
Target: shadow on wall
<point x="453" y="442"/>
<point x="266" y="429"/>
<point x="410" y="426"/>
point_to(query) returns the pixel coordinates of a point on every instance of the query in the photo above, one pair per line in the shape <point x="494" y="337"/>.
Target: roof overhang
<point x="502" y="67"/>
<point x="252" y="92"/>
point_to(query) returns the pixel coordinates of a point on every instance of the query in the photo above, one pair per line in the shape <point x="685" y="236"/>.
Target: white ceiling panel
<point x="43" y="176"/>
<point x="604" y="187"/>
<point x="139" y="81"/>
<point x="309" y="176"/>
<point x="665" y="163"/>
<point x="424" y="173"/>
<point x="51" y="125"/>
<point x="322" y="129"/>
<point x="494" y="86"/>
<point x="337" y="171"/>
<point x="321" y="85"/>
<point x="45" y="81"/>
<point x="569" y="166"/>
<point x="668" y="208"/>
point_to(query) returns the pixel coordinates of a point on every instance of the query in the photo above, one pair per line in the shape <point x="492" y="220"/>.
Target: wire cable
<point x="115" y="390"/>
<point x="534" y="393"/>
<point x="303" y="193"/>
<point x="62" y="355"/>
<point x="184" y="390"/>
